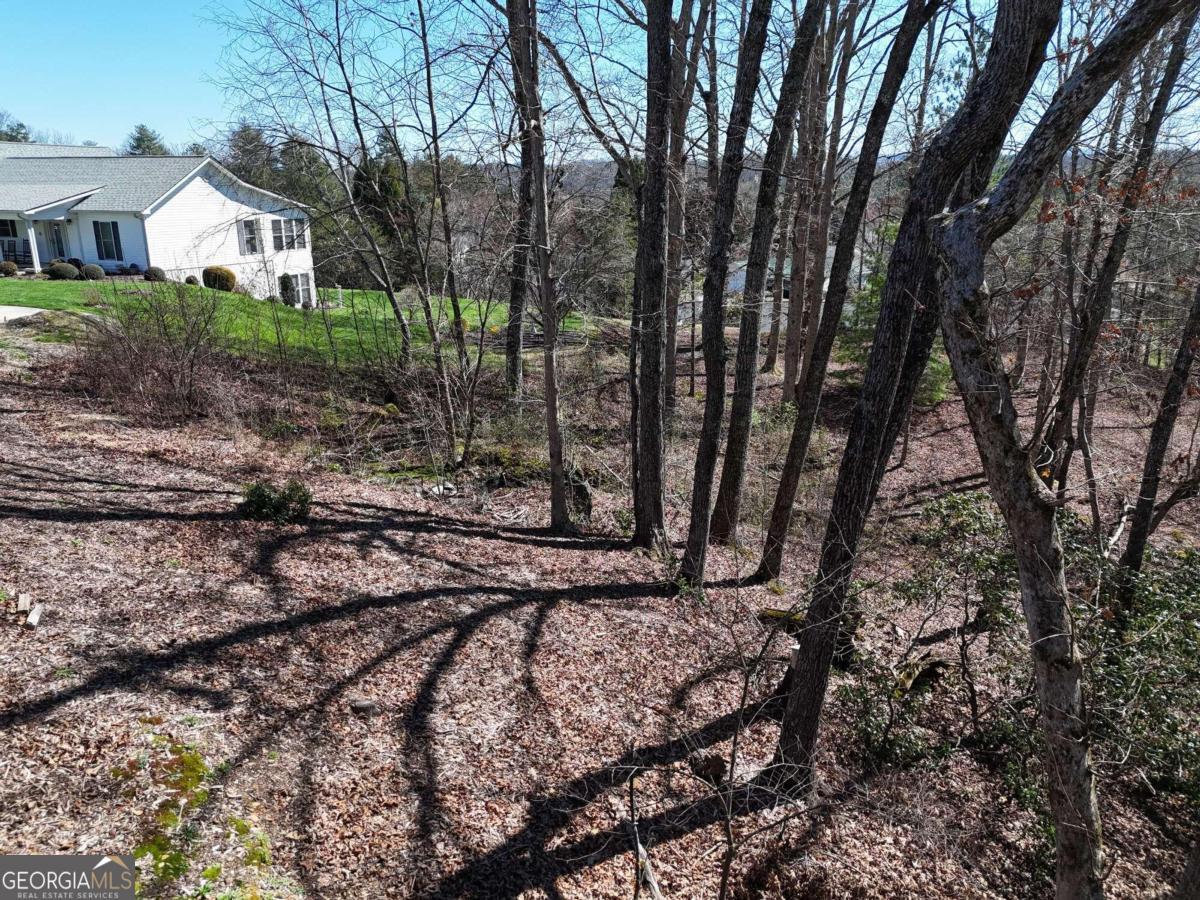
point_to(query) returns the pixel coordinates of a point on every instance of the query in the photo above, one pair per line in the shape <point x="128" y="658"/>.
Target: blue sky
<point x="116" y="64"/>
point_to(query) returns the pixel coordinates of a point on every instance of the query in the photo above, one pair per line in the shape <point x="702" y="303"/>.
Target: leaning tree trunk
<point x="916" y="14"/>
<point x="649" y="506"/>
<point x="1160" y="438"/>
<point x="1028" y="507"/>
<point x="716" y="271"/>
<point x="729" y="493"/>
<point x="980" y="124"/>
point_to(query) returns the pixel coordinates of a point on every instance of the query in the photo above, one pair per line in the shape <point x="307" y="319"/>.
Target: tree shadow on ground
<point x="523" y="861"/>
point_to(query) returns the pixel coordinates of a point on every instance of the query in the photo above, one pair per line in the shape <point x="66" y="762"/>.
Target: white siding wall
<point x="197" y="227"/>
<point x="83" y="238"/>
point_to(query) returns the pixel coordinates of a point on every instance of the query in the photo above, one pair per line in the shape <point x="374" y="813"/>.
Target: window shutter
<point x="99" y="242"/>
<point x="277" y="233"/>
<point x="117" y="241"/>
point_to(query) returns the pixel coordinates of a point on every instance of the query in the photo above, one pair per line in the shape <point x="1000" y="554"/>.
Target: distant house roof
<point x="118" y="183"/>
<point x="18" y="149"/>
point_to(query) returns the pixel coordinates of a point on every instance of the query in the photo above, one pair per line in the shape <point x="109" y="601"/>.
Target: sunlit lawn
<point x="363" y="327"/>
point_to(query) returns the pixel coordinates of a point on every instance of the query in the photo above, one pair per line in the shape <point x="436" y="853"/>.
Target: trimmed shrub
<point x="76" y="262"/>
<point x="191" y="279"/>
<point x="8" y="268"/>
<point x="93" y="273"/>
<point x="287" y="289"/>
<point x="154" y="273"/>
<point x="123" y="270"/>
<point x="263" y="502"/>
<point x="62" y="271"/>
<point x="135" y="269"/>
<point x="219" y="278"/>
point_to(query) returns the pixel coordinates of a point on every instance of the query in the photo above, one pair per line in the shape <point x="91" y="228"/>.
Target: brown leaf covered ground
<point x="189" y="690"/>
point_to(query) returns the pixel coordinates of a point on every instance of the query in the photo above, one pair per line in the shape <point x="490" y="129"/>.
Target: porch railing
<point x="18" y="253"/>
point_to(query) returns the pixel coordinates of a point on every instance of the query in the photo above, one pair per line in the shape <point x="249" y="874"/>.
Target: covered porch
<point x="35" y="229"/>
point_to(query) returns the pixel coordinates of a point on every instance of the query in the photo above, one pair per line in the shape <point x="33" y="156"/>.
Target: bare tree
<point x="1029" y="509"/>
<point x="522" y="16"/>
<point x="916" y="14"/>
<point x="717" y="268"/>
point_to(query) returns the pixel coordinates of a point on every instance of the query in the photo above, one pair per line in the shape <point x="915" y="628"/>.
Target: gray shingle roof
<point x="126" y="183"/>
<point x="24" y="197"/>
<point x="14" y="149"/>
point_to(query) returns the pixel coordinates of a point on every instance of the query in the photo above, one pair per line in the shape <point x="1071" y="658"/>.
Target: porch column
<point x="33" y="248"/>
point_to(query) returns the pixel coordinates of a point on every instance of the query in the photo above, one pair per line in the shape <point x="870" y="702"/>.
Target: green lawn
<point x="363" y="328"/>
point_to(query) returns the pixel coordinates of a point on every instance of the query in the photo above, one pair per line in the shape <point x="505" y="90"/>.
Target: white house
<point x="179" y="213"/>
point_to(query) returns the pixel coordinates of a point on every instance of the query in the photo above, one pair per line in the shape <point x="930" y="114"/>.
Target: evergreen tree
<point x="11" y="129"/>
<point x="145" y="141"/>
<point x="252" y="158"/>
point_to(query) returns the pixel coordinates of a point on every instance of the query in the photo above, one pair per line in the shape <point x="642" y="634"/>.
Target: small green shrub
<point x="93" y="273"/>
<point x="76" y="262"/>
<point x="287" y="289"/>
<point x="8" y="268"/>
<point x="135" y="269"/>
<point x="154" y="273"/>
<point x="263" y="502"/>
<point x="219" y="278"/>
<point x="191" y="279"/>
<point x="62" y="271"/>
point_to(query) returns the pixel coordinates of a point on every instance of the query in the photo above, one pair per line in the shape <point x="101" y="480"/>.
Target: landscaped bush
<point x="135" y="269"/>
<point x="287" y="289"/>
<point x="93" y="273"/>
<point x="76" y="262"/>
<point x="8" y="268"/>
<point x="191" y="279"/>
<point x="263" y="502"/>
<point x="61" y="271"/>
<point x="154" y="273"/>
<point x="219" y="278"/>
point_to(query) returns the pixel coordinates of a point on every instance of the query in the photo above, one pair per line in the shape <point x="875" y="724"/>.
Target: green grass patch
<point x="363" y="329"/>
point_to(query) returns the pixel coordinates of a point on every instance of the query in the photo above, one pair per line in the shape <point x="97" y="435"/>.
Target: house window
<point x="248" y="232"/>
<point x="303" y="285"/>
<point x="108" y="240"/>
<point x="8" y="228"/>
<point x="289" y="234"/>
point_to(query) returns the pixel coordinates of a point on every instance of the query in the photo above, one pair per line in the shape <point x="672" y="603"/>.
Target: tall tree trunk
<point x="522" y="16"/>
<point x="1143" y="520"/>
<point x="979" y="126"/>
<point x="745" y="88"/>
<point x="649" y="507"/>
<point x="807" y="167"/>
<point x="916" y="14"/>
<point x="685" y="63"/>
<point x="725" y="513"/>
<point x="1028" y="507"/>
<point x="519" y="281"/>
<point x="781" y="255"/>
